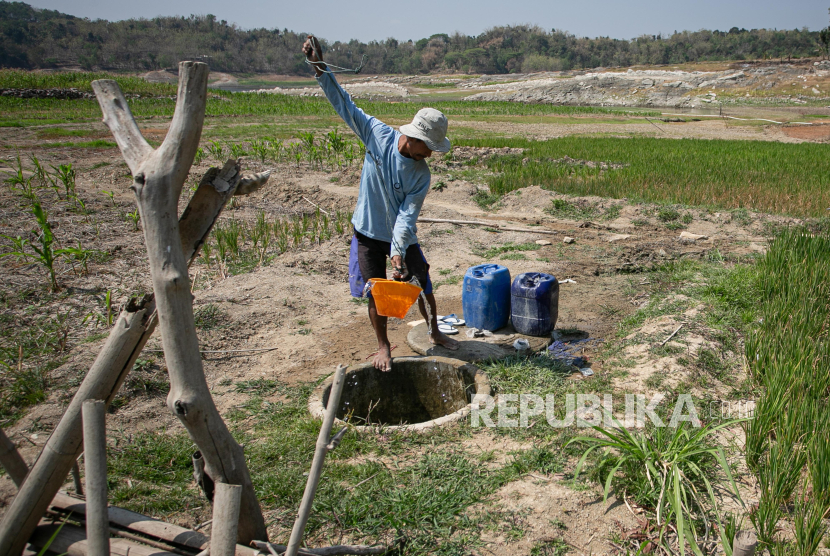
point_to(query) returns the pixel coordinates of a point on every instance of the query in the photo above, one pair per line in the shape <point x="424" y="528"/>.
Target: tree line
<point x="34" y="38"/>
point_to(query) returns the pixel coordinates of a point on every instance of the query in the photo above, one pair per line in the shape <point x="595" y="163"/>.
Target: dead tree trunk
<point x="131" y="332"/>
<point x="158" y="179"/>
<point x="11" y="460"/>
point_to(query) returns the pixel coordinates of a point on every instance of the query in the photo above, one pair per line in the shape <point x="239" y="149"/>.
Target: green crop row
<point x="766" y="176"/>
<point x="19" y="79"/>
<point x="789" y="355"/>
<point x="222" y="103"/>
<point x="235" y="246"/>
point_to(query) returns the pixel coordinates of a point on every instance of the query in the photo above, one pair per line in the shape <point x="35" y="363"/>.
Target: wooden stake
<point x="76" y="479"/>
<point x="223" y="534"/>
<point x="317" y="463"/>
<point x="11" y="460"/>
<point x="744" y="543"/>
<point x="95" y="471"/>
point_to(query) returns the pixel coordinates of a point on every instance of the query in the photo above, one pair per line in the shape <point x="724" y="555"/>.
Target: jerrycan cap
<point x="531" y="279"/>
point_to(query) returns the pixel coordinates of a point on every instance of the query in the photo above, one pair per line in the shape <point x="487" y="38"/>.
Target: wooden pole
<point x="744" y="543"/>
<point x="158" y="179"/>
<point x="317" y="463"/>
<point x="226" y="502"/>
<point x="11" y="460"/>
<point x="95" y="470"/>
<point x="76" y="479"/>
<point x="131" y="332"/>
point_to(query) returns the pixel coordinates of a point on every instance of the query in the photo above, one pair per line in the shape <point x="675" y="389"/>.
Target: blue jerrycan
<point x="534" y="302"/>
<point x="485" y="296"/>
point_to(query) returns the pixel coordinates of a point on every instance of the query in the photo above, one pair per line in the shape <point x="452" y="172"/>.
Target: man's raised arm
<point x="354" y="117"/>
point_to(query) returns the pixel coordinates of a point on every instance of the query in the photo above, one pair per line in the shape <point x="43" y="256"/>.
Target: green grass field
<point x="222" y="104"/>
<point x="19" y="79"/>
<point x="760" y="175"/>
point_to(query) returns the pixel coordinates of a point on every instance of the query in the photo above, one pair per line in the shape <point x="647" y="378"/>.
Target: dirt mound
<point x="373" y="89"/>
<point x="657" y="88"/>
<point x="219" y="79"/>
<point x="482" y="153"/>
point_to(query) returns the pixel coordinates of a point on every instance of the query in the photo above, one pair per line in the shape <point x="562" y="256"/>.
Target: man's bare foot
<point x="443" y="340"/>
<point x="383" y="359"/>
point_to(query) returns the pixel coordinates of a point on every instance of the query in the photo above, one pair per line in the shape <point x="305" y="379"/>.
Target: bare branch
<point x="119" y="118"/>
<point x="179" y="147"/>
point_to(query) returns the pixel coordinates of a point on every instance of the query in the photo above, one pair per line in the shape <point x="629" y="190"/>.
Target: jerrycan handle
<point x="483" y="269"/>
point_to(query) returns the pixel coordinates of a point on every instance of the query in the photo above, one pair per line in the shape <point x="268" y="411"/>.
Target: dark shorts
<point x="367" y="259"/>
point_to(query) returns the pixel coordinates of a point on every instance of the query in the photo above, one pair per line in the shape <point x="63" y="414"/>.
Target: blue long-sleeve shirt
<point x="392" y="186"/>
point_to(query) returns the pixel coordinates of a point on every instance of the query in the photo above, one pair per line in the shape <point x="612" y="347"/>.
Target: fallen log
<point x="72" y="541"/>
<point x="135" y="526"/>
<point x="132" y="521"/>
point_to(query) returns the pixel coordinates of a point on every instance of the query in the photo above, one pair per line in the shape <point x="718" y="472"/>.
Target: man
<point x="393" y="185"/>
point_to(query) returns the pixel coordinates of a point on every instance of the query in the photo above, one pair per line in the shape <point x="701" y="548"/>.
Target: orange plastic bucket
<point x="392" y="298"/>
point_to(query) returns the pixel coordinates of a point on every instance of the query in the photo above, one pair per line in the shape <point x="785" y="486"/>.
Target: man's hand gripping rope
<point x="313" y="51"/>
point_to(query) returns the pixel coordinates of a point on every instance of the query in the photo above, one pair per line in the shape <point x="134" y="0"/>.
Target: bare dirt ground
<point x="298" y="307"/>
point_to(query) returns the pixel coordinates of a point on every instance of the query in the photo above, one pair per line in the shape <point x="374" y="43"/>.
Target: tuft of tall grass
<point x="668" y="470"/>
<point x="571" y="210"/>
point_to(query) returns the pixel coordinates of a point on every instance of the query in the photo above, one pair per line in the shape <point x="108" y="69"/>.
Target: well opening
<point x="419" y="392"/>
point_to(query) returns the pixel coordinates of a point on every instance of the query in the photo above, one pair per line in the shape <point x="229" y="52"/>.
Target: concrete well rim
<point x="482" y="386"/>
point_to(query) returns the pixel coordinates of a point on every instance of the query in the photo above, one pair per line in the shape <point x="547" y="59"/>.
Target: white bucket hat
<point x="430" y="126"/>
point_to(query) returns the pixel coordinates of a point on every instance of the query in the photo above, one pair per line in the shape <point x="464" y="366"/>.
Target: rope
<point x="338" y="69"/>
<point x="318" y="50"/>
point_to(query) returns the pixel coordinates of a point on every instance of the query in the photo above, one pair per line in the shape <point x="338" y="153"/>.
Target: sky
<point x="368" y="20"/>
